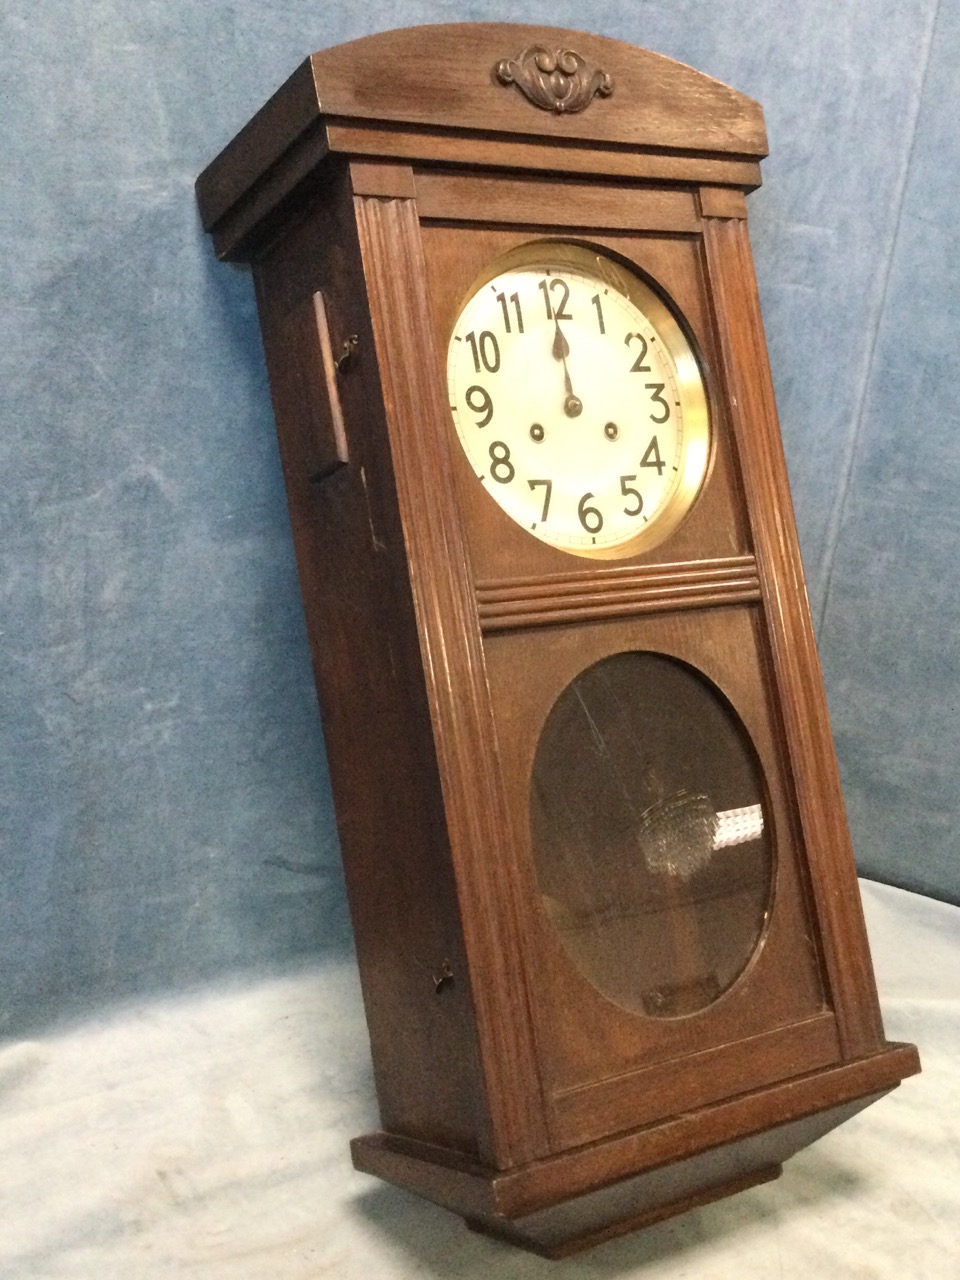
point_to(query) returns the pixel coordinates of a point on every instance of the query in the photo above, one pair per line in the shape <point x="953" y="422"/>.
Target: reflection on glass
<point x="651" y="847"/>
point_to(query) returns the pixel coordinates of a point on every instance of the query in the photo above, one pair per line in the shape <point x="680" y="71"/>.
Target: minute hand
<point x="572" y="405"/>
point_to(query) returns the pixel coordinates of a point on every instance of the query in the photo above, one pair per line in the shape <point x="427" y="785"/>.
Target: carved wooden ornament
<point x="559" y="81"/>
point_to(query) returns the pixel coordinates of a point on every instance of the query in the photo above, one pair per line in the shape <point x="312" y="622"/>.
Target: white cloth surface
<point x="205" y="1135"/>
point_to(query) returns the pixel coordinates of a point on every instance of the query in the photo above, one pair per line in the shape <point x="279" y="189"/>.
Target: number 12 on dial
<point x="578" y="400"/>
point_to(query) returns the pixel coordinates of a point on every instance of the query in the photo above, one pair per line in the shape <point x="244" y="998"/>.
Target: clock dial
<point x="578" y="401"/>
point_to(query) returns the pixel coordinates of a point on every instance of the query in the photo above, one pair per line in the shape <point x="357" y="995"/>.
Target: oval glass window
<point x="651" y="835"/>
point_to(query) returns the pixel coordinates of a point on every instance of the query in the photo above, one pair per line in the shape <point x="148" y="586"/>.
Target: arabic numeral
<point x="502" y="469"/>
<point x="638" y="366"/>
<point x="560" y="287"/>
<point x="629" y="491"/>
<point x="656" y="389"/>
<point x="548" y="489"/>
<point x="515" y="299"/>
<point x="590" y="517"/>
<point x="478" y="401"/>
<point x="485" y="351"/>
<point x="651" y="457"/>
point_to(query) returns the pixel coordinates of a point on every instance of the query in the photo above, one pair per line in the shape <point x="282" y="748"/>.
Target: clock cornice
<point x="420" y="92"/>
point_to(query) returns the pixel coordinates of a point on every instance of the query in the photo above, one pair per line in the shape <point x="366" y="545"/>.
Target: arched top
<point x="447" y="75"/>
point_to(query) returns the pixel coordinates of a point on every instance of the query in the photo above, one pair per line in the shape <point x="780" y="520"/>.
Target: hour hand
<point x="561" y="347"/>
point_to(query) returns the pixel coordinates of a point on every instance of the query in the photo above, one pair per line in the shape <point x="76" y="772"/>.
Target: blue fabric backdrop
<point x="164" y="810"/>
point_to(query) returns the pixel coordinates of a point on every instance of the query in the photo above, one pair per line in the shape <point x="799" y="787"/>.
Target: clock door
<point x="672" y="961"/>
<point x="668" y="936"/>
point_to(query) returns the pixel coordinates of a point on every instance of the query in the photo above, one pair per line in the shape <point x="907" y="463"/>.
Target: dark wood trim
<point x="793" y="647"/>
<point x="557" y="1245"/>
<point x="425" y="74"/>
<point x="391" y="94"/>
<point x="279" y="123"/>
<point x="258" y="212"/>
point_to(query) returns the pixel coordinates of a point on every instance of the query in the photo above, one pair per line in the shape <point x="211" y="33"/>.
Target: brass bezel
<point x="663" y="318"/>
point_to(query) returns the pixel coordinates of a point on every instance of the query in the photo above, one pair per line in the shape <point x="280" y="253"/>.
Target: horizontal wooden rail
<point x="526" y="602"/>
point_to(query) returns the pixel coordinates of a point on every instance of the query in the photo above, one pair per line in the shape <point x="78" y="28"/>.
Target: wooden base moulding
<point x="559" y="1206"/>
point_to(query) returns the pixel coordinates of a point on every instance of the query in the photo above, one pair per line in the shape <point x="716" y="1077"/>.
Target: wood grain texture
<point x="722" y="202"/>
<point x="414" y="75"/>
<point x="803" y="702"/>
<point x="453" y="665"/>
<point x="520" y="201"/>
<point x="694" y="1080"/>
<point x="565" y="1231"/>
<point x="384" y="178"/>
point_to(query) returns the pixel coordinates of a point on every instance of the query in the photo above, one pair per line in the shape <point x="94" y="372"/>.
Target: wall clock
<point x="605" y="906"/>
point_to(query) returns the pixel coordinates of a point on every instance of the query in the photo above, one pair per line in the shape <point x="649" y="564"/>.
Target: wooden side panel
<point x="452" y="656"/>
<point x="796" y="665"/>
<point x="366" y="654"/>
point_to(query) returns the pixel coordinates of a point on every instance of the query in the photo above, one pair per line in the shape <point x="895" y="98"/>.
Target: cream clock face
<point x="579" y="401"/>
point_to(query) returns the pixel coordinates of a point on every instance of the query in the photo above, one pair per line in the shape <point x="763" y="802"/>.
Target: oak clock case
<point x="605" y="907"/>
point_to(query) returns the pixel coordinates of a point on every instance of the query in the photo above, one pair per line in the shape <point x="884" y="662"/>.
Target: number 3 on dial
<point x="595" y="396"/>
